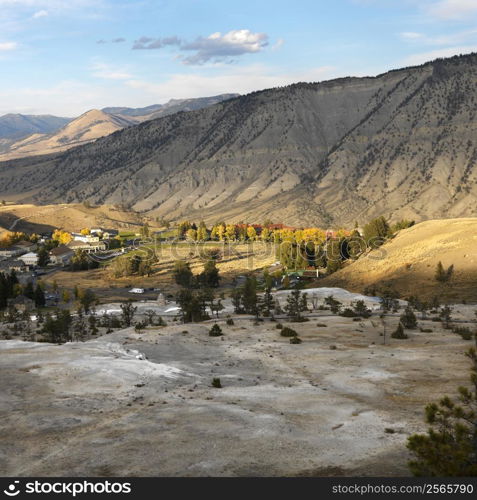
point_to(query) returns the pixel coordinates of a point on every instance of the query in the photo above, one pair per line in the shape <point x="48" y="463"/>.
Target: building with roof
<point x="30" y="259"/>
<point x="61" y="255"/>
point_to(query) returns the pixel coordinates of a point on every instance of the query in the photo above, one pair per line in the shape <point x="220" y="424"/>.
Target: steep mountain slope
<point x="169" y="108"/>
<point x="15" y="126"/>
<point x="86" y="128"/>
<point x="402" y="144"/>
<point x="408" y="262"/>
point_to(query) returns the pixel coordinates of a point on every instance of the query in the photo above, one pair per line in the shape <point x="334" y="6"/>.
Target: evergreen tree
<point x="266" y="303"/>
<point x="192" y="307"/>
<point x="449" y="448"/>
<point x="361" y="310"/>
<point x="443" y="275"/>
<point x="376" y="232"/>
<point x="335" y="305"/>
<point x="399" y="332"/>
<point x="39" y="297"/>
<point x="249" y="296"/>
<point x="294" y="305"/>
<point x="408" y="319"/>
<point x="215" y="331"/>
<point x="43" y="257"/>
<point x="446" y="316"/>
<point x="237" y="296"/>
<point x="128" y="310"/>
<point x="182" y="273"/>
<point x="87" y="298"/>
<point x="209" y="277"/>
<point x="29" y="291"/>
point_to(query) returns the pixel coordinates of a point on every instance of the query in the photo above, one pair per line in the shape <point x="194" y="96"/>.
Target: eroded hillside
<point x="401" y="144"/>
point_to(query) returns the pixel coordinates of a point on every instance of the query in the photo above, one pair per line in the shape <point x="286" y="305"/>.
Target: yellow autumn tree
<point x="251" y="233"/>
<point x="62" y="237"/>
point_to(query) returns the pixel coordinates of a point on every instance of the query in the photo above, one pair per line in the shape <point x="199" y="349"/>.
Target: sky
<point x="64" y="57"/>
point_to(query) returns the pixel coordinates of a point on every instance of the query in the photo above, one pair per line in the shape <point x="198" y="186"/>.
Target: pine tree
<point x="376" y="232"/>
<point x="249" y="296"/>
<point x="87" y="298"/>
<point x="39" y="298"/>
<point x="215" y="331"/>
<point x="449" y="448"/>
<point x="182" y="273"/>
<point x="29" y="291"/>
<point x="128" y="310"/>
<point x="361" y="310"/>
<point x="237" y="296"/>
<point x="443" y="275"/>
<point x="209" y="277"/>
<point x="399" y="332"/>
<point x="266" y="303"/>
<point x="43" y="257"/>
<point x="294" y="303"/>
<point x="446" y="316"/>
<point x="335" y="305"/>
<point x="408" y="319"/>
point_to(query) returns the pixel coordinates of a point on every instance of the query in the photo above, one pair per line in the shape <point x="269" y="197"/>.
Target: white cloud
<point x="39" y="14"/>
<point x="216" y="47"/>
<point x="423" y="57"/>
<point x="7" y="46"/>
<point x="453" y="9"/>
<point x="220" y="47"/>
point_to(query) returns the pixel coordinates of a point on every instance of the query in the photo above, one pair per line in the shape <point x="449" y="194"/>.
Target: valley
<point x="271" y="284"/>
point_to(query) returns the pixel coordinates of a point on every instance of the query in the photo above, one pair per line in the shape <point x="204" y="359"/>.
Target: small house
<point x="30" y="259"/>
<point x="61" y="255"/>
<point x="21" y="303"/>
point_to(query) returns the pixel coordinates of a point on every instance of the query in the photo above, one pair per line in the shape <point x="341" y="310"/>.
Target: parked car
<point x="136" y="290"/>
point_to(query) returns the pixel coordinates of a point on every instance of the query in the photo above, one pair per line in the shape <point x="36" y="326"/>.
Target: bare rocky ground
<point x="94" y="409"/>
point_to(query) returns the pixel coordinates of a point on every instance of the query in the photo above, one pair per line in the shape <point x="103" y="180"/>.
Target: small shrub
<point x="288" y="332"/>
<point x="348" y="313"/>
<point x="230" y="322"/>
<point x="426" y="330"/>
<point x="333" y="347"/>
<point x="278" y="326"/>
<point x="357" y="319"/>
<point x="388" y="430"/>
<point x="295" y="340"/>
<point x="399" y="333"/>
<point x="215" y="331"/>
<point x="321" y="325"/>
<point x="463" y="331"/>
<point x="216" y="383"/>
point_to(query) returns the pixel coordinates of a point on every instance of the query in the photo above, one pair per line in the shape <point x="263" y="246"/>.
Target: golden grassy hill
<point x="408" y="262"/>
<point x="44" y="218"/>
<point x="86" y="128"/>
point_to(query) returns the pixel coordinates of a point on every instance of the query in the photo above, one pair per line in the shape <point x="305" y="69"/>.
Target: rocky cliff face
<point x="402" y="144"/>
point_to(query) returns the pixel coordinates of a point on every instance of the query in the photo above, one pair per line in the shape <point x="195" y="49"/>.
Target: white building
<point x="30" y="259"/>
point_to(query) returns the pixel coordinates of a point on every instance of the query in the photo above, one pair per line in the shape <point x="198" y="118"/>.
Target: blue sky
<point x="67" y="56"/>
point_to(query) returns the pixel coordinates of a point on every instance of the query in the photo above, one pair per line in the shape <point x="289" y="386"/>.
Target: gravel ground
<point x="96" y="408"/>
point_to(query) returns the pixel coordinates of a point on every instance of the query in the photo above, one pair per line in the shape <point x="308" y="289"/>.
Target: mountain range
<point x="15" y="126"/>
<point x="402" y="144"/>
<point x="28" y="135"/>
